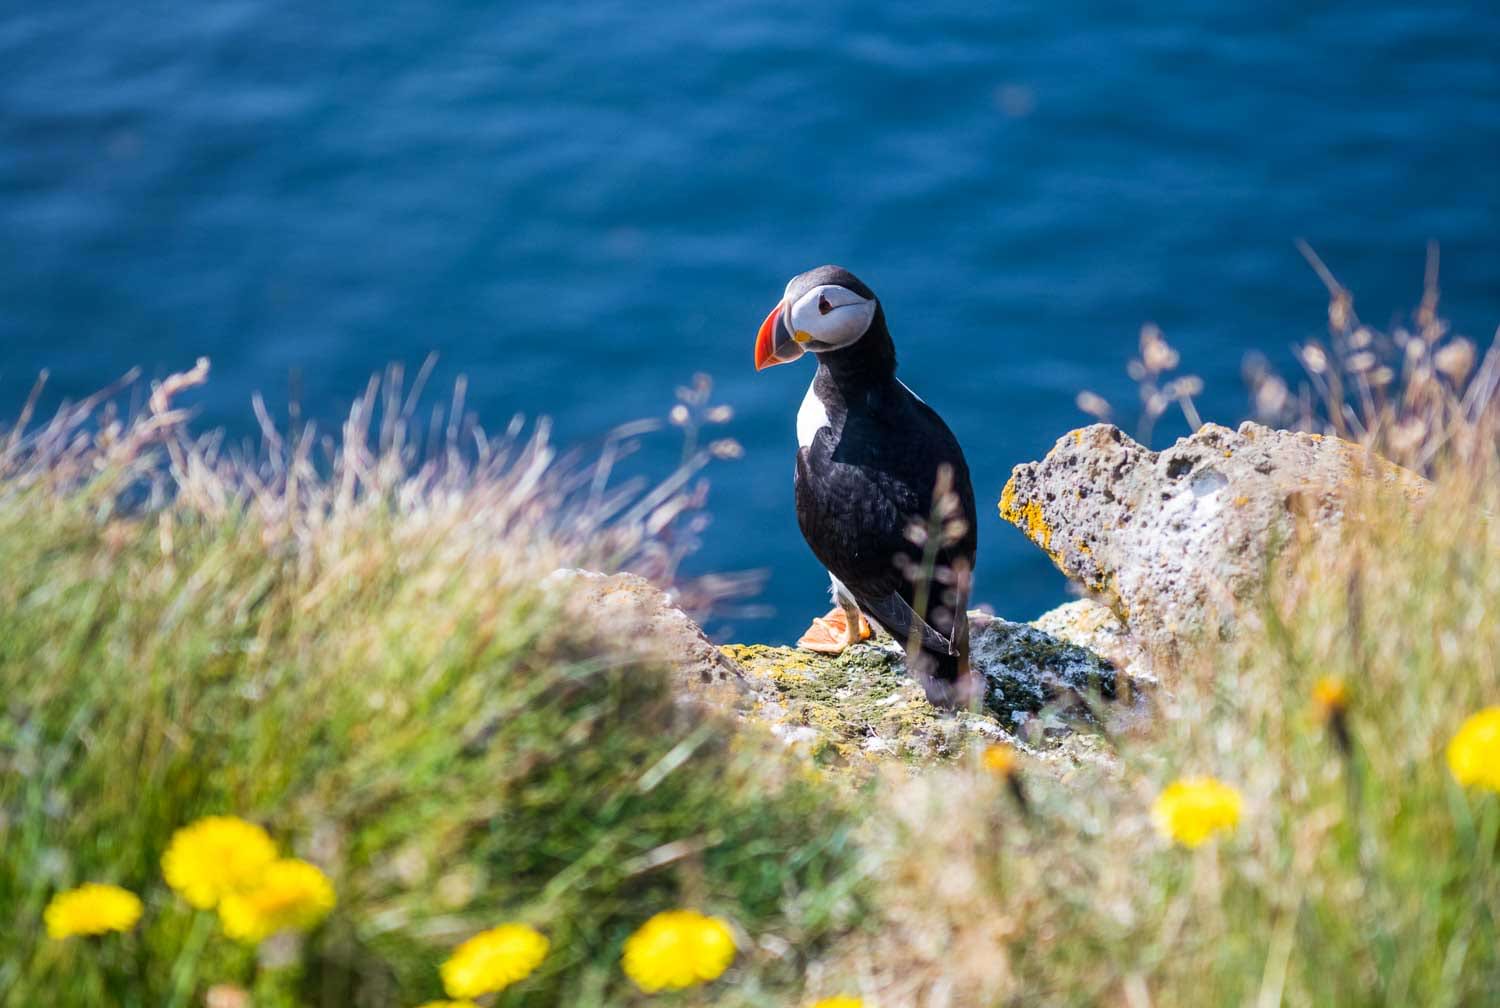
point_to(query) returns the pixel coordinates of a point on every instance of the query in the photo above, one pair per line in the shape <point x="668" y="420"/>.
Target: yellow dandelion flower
<point x="999" y="759"/>
<point x="493" y="960"/>
<point x="448" y="1004"/>
<point x="91" y="909"/>
<point x="1193" y="809"/>
<point x="289" y="895"/>
<point x="677" y="949"/>
<point x="215" y="856"/>
<point x="843" y="1001"/>
<point x="1331" y="695"/>
<point x="1474" y="753"/>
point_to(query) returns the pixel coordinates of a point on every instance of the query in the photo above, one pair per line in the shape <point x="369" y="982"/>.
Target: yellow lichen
<point x="1008" y="498"/>
<point x="1028" y="517"/>
<point x="848" y="713"/>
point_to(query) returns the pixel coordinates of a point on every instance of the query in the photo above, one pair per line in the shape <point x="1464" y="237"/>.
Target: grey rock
<point x="863" y="704"/>
<point x="1171" y="540"/>
<point x="1027" y="670"/>
<point x="1092" y="625"/>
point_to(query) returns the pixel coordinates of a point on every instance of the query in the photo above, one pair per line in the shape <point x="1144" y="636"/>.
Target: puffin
<point x="882" y="489"/>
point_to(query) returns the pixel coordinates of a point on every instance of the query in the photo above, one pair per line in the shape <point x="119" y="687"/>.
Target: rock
<point x="862" y="707"/>
<point x="863" y="704"/>
<point x="1026" y="669"/>
<point x="848" y="709"/>
<point x="1094" y="626"/>
<point x="1171" y="540"/>
<point x="627" y="607"/>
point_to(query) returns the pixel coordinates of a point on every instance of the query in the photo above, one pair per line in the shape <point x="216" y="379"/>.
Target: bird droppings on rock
<point x="1170" y="540"/>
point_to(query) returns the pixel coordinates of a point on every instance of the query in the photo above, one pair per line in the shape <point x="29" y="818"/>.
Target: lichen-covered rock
<point x="1026" y="669"/>
<point x="854" y="707"/>
<point x="862" y="705"/>
<point x="1094" y="626"/>
<point x="1170" y="540"/>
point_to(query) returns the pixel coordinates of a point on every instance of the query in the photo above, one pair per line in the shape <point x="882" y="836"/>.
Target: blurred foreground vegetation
<point x="364" y="657"/>
<point x="370" y="665"/>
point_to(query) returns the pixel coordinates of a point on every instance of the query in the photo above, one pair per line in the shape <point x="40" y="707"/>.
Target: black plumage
<point x="866" y="479"/>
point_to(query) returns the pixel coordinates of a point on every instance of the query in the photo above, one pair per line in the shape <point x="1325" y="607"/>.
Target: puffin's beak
<point x="773" y="345"/>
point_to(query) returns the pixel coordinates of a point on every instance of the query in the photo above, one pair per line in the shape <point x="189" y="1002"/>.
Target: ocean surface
<point x="581" y="206"/>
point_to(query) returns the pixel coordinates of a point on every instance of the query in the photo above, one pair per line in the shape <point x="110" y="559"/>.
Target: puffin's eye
<point x="823" y="306"/>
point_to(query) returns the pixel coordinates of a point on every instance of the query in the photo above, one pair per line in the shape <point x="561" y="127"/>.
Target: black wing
<point x="858" y="491"/>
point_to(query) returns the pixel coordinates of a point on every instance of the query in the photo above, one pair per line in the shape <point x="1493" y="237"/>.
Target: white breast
<point x="811" y="418"/>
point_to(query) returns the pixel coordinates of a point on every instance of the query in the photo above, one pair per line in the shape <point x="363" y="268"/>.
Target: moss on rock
<point x="861" y="707"/>
<point x="851" y="709"/>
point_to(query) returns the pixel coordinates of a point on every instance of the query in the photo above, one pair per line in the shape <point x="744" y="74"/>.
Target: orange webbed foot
<point x="831" y="633"/>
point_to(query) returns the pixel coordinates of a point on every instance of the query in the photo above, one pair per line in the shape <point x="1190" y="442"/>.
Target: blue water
<point x="581" y="206"/>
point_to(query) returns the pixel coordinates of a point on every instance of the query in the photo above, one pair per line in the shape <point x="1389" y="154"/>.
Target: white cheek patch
<point x="811" y="418"/>
<point x="846" y="322"/>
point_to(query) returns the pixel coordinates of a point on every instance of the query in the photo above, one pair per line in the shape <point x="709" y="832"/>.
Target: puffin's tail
<point x="948" y="679"/>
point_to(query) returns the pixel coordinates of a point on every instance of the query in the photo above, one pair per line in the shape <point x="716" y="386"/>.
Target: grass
<point x="1359" y="874"/>
<point x="365" y="662"/>
<point x="1367" y="877"/>
<point x="357" y="655"/>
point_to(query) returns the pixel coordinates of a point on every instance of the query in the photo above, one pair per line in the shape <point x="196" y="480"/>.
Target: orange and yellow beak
<point x="773" y="344"/>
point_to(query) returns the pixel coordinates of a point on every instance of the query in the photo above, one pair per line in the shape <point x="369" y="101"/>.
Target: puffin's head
<point x="824" y="309"/>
